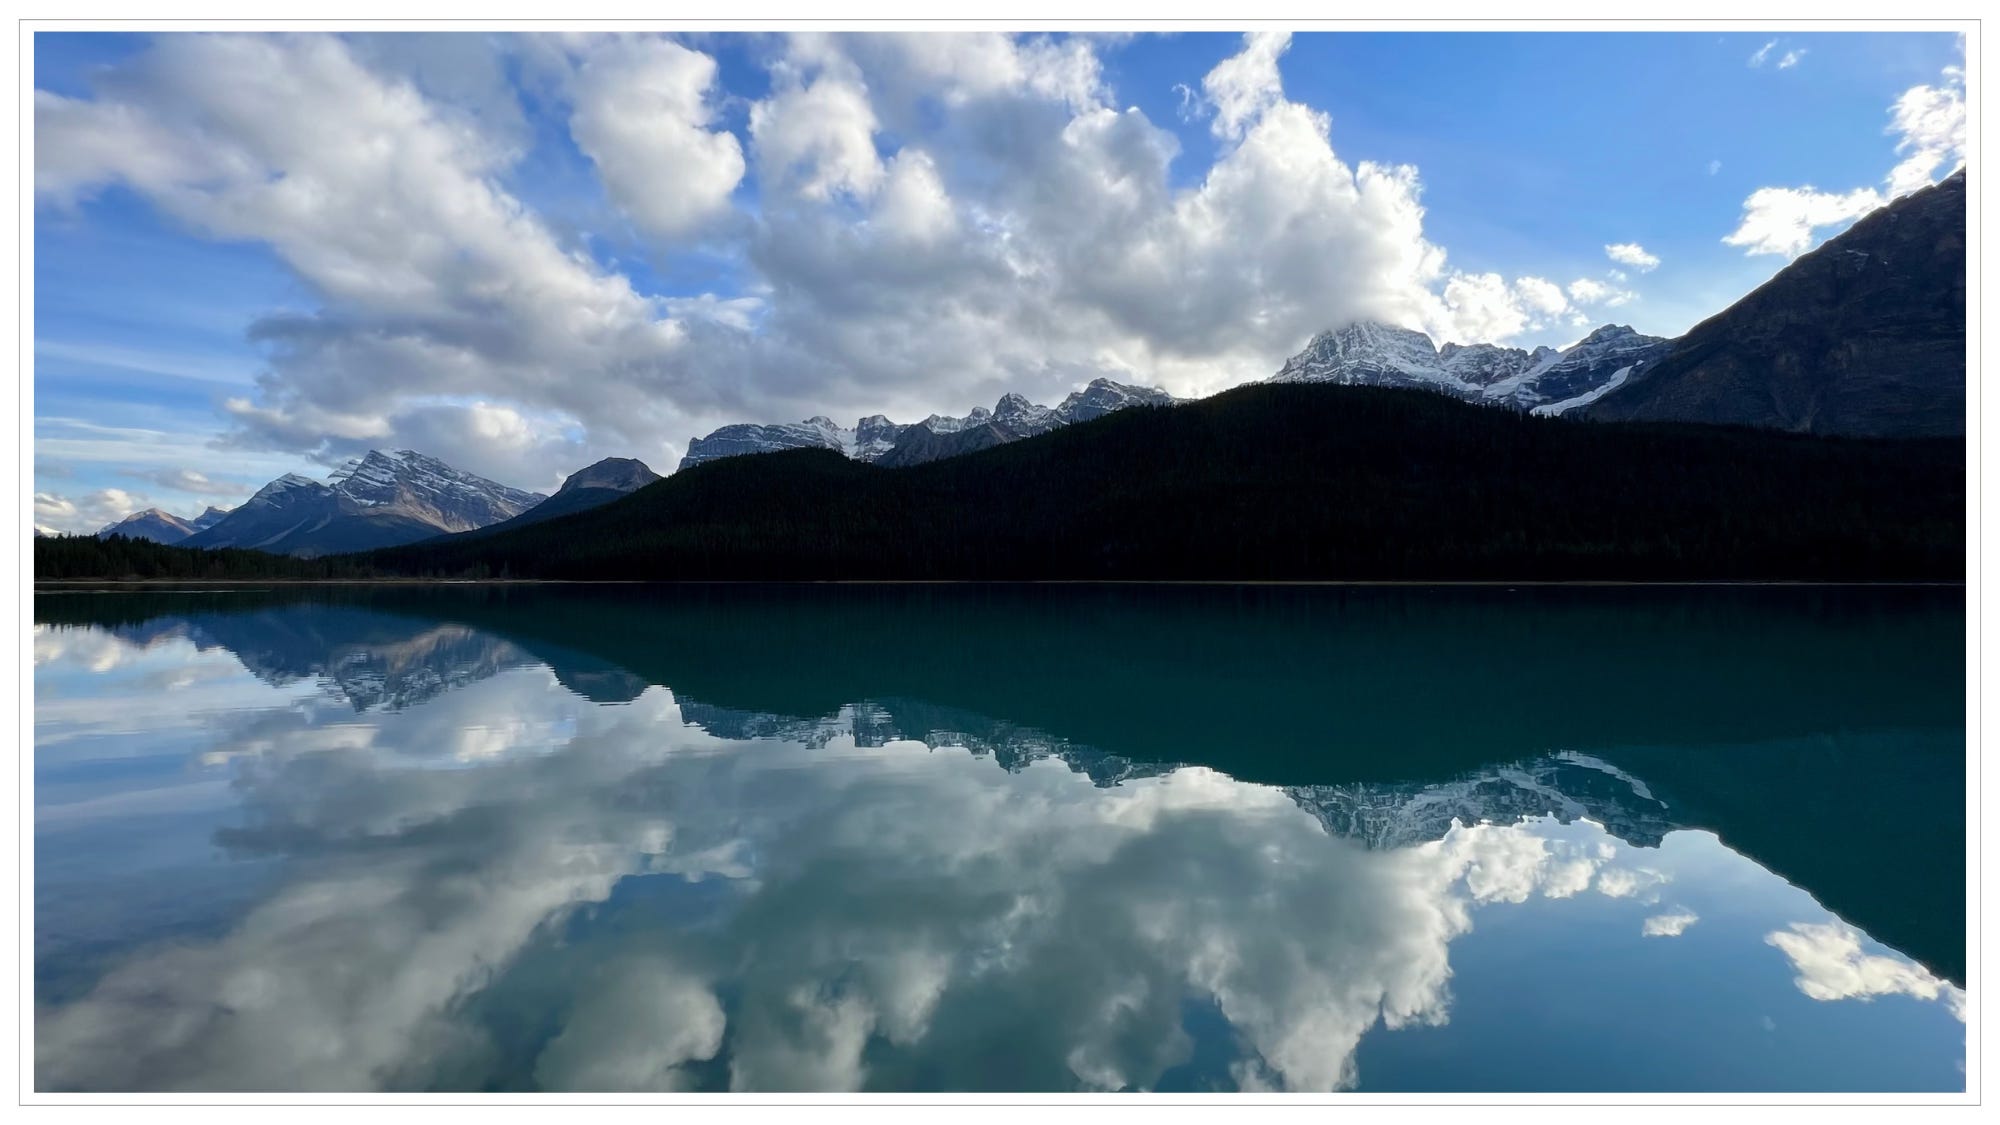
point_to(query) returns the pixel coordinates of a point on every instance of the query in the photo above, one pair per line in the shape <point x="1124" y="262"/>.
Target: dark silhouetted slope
<point x="1279" y="482"/>
<point x="1863" y="336"/>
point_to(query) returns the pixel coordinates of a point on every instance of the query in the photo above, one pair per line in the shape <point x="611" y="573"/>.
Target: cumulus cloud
<point x="1631" y="254"/>
<point x="907" y="224"/>
<point x="1245" y="85"/>
<point x="435" y="282"/>
<point x="1541" y="296"/>
<point x="642" y="110"/>
<point x="817" y="136"/>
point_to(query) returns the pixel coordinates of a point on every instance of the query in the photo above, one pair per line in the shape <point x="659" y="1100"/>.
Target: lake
<point x="970" y="838"/>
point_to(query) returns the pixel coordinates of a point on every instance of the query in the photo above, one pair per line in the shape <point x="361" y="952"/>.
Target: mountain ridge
<point x="157" y="526"/>
<point x="1863" y="336"/>
<point x="594" y="485"/>
<point x="876" y="439"/>
<point x="1278" y="482"/>
<point x="1542" y="381"/>
<point x="380" y="499"/>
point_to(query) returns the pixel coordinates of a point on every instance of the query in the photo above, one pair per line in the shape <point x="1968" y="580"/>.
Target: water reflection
<point x="510" y="860"/>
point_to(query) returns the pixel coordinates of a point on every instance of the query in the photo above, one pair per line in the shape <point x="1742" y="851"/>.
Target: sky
<point x="259" y="254"/>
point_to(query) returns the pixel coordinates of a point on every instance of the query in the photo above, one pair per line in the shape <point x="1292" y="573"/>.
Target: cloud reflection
<point x="884" y="906"/>
<point x="489" y="877"/>
<point x="1831" y="965"/>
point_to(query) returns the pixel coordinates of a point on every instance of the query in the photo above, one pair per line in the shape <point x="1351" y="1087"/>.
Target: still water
<point x="1000" y="839"/>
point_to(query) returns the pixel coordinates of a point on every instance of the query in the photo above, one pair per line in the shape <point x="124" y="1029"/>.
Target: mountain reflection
<point x="689" y="892"/>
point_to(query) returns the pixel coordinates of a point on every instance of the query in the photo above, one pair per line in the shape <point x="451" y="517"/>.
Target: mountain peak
<point x="619" y="474"/>
<point x="1016" y="410"/>
<point x="1609" y="332"/>
<point x="150" y="524"/>
<point x="381" y="498"/>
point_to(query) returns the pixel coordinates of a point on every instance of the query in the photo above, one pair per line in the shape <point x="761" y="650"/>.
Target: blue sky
<point x="265" y="254"/>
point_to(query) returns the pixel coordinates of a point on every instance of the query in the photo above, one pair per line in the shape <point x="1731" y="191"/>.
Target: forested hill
<point x="1278" y="482"/>
<point x="75" y="558"/>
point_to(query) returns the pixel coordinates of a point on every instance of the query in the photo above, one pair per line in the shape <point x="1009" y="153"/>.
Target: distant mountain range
<point x="876" y="439"/>
<point x="1545" y="381"/>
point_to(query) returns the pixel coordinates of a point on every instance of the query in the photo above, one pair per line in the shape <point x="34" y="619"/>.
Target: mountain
<point x="1273" y="482"/>
<point x="588" y="487"/>
<point x="156" y="526"/>
<point x="152" y="525"/>
<point x="1545" y="381"/>
<point x="1864" y="336"/>
<point x="877" y="439"/>
<point x="380" y="500"/>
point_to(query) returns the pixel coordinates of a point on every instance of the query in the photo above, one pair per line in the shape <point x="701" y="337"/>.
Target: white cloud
<point x="434" y="281"/>
<point x="1791" y="58"/>
<point x="1714" y="166"/>
<point x="1631" y="254"/>
<point x="984" y="188"/>
<point x="1624" y="882"/>
<point x="817" y="137"/>
<point x="1763" y="53"/>
<point x="1929" y="122"/>
<point x="86" y="514"/>
<point x="1590" y="291"/>
<point x="1541" y="296"/>
<point x="1786" y="220"/>
<point x="642" y="107"/>
<point x="1669" y="925"/>
<point x="1831" y="966"/>
<point x="1246" y="85"/>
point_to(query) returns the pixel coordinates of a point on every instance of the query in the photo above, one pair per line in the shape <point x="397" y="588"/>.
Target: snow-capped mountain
<point x="380" y="500"/>
<point x="162" y="527"/>
<point x="877" y="439"/>
<point x="1545" y="381"/>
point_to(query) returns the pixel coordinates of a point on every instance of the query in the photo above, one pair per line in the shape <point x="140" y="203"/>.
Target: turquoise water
<point x="1000" y="839"/>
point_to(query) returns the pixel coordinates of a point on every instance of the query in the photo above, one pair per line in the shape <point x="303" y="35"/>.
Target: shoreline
<point x="108" y="584"/>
